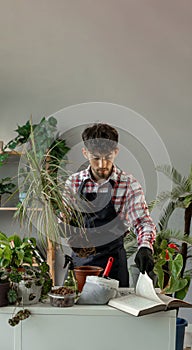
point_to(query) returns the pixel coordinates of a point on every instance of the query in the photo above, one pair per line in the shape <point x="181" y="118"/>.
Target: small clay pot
<point x="81" y="272"/>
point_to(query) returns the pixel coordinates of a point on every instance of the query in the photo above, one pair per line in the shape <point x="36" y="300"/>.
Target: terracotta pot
<point x="81" y="272"/>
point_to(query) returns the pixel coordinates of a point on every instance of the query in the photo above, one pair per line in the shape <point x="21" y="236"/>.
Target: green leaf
<point x="15" y="277"/>
<point x="170" y="172"/>
<point x="52" y="121"/>
<point x="12" y="144"/>
<point x="5" y="256"/>
<point x="28" y="259"/>
<point x="163" y="245"/>
<point x="16" y="239"/>
<point x="20" y="255"/>
<point x="44" y="267"/>
<point x="176" y="265"/>
<point x="182" y="293"/>
<point x="3" y="158"/>
<point x="175" y="285"/>
<point x="163" y="222"/>
<point x="12" y="296"/>
<point x="187" y="201"/>
<point x="160" y="274"/>
<point x="3" y="237"/>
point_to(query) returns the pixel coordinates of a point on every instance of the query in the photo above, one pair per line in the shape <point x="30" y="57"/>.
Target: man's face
<point x="101" y="164"/>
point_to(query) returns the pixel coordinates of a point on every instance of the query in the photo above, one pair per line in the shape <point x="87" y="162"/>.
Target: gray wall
<point x="135" y="54"/>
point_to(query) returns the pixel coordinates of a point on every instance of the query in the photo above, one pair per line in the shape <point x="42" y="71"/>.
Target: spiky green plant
<point x="44" y="200"/>
<point x="179" y="197"/>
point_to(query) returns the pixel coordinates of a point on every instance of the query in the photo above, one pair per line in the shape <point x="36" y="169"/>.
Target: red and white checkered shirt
<point x="128" y="199"/>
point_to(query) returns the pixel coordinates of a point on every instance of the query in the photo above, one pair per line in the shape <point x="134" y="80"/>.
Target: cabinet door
<point x="85" y="332"/>
<point x="7" y="338"/>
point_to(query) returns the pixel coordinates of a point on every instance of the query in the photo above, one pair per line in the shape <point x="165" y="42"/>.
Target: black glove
<point x="144" y="260"/>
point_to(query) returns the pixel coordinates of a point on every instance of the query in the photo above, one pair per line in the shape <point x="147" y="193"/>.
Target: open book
<point x="144" y="300"/>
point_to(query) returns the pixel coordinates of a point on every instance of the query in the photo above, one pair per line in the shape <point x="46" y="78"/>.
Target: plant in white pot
<point x="28" y="283"/>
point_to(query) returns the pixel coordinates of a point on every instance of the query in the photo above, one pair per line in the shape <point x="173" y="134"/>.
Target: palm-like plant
<point x="173" y="266"/>
<point x="42" y="177"/>
<point x="179" y="197"/>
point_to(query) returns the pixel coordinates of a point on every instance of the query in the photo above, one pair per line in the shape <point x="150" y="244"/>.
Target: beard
<point x="102" y="173"/>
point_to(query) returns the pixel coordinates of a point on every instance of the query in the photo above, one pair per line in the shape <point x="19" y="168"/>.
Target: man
<point x="112" y="202"/>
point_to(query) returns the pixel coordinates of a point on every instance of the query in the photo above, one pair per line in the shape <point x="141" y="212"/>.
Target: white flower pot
<point x="29" y="295"/>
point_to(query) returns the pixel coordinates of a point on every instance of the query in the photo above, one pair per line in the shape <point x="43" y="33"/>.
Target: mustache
<point x="102" y="169"/>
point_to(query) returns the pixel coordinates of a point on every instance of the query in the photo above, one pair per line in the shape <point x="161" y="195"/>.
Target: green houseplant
<point x="14" y="251"/>
<point x="179" y="197"/>
<point x="47" y="138"/>
<point x="44" y="154"/>
<point x="42" y="176"/>
<point x="168" y="261"/>
<point x="27" y="286"/>
<point x="27" y="276"/>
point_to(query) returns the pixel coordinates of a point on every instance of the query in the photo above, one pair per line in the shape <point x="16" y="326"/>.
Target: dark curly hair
<point x="100" y="137"/>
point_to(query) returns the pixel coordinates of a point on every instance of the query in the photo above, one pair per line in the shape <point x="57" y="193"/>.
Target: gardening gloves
<point x="144" y="260"/>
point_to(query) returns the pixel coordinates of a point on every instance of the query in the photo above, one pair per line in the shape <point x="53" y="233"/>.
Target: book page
<point x="136" y="302"/>
<point x="145" y="288"/>
<point x="174" y="302"/>
<point x="136" y="305"/>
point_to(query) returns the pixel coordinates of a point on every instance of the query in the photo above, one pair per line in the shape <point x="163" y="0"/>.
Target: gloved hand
<point x="144" y="260"/>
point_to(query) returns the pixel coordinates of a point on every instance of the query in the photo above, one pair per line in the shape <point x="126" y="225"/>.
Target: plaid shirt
<point x="128" y="199"/>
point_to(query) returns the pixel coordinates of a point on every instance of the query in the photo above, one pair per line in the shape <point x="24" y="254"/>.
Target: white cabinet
<point x="87" y="327"/>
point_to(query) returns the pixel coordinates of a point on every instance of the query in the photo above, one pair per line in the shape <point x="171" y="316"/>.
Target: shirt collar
<point x="114" y="175"/>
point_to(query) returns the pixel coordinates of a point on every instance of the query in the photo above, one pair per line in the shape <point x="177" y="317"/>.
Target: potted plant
<point x="179" y="197"/>
<point x="172" y="279"/>
<point x="43" y="156"/>
<point x="169" y="263"/>
<point x="17" y="257"/>
<point x="43" y="175"/>
<point x="14" y="251"/>
<point x="167" y="247"/>
<point x="24" y="132"/>
<point x="27" y="286"/>
<point x="168" y="269"/>
<point x="46" y="135"/>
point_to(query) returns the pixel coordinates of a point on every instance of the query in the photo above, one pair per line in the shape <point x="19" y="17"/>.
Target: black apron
<point x="104" y="221"/>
